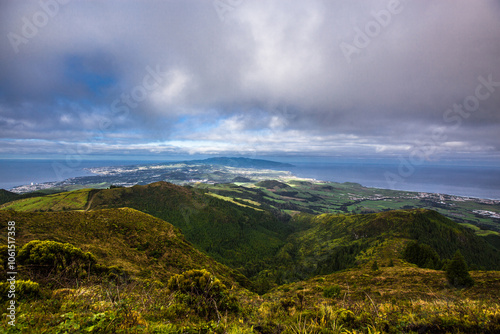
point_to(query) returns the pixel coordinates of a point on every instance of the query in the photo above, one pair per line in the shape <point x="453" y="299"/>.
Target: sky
<point x="412" y="79"/>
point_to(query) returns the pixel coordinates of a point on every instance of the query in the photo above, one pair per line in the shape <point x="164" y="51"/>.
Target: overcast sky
<point x="418" y="79"/>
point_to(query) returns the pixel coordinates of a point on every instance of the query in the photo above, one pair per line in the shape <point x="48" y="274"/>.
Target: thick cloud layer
<point x="361" y="78"/>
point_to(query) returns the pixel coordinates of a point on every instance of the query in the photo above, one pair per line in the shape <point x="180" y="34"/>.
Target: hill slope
<point x="233" y="233"/>
<point x="329" y="243"/>
<point x="7" y="196"/>
<point x="62" y="201"/>
<point x="144" y="246"/>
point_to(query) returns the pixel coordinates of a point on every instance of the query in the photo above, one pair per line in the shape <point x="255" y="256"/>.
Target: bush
<point x="50" y="259"/>
<point x="457" y="273"/>
<point x="331" y="292"/>
<point x="203" y="292"/>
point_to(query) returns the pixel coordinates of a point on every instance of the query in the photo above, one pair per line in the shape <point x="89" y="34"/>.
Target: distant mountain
<point x="241" y="162"/>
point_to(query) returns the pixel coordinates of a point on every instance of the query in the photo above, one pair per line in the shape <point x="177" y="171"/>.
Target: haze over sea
<point x="462" y="180"/>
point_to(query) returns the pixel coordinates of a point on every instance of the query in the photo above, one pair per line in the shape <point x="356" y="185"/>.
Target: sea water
<point x="461" y="180"/>
<point x="465" y="180"/>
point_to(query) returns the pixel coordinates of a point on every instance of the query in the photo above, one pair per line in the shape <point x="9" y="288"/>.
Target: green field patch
<point x="484" y="233"/>
<point x="66" y="201"/>
<point x="229" y="199"/>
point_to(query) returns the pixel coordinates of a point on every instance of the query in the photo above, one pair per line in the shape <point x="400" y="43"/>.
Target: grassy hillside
<point x="329" y="243"/>
<point x="144" y="246"/>
<point x="326" y="273"/>
<point x="270" y="249"/>
<point x="65" y="201"/>
<point x="329" y="197"/>
<point x="424" y="226"/>
<point x="7" y="196"/>
<point x="395" y="298"/>
<point x="233" y="233"/>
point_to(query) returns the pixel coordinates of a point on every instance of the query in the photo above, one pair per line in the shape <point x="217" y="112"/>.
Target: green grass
<point x="337" y="198"/>
<point x="320" y="275"/>
<point x="73" y="200"/>
<point x="144" y="246"/>
<point x="228" y="199"/>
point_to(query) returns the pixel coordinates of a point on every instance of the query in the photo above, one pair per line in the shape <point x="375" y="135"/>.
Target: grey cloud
<point x="277" y="65"/>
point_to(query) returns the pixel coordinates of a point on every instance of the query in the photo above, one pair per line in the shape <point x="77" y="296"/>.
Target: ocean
<point x="470" y="181"/>
<point x="467" y="180"/>
<point x="17" y="172"/>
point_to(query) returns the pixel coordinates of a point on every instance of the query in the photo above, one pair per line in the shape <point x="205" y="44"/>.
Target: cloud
<point x="270" y="78"/>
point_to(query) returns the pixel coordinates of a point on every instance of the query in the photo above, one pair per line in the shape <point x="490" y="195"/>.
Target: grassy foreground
<point x="398" y="299"/>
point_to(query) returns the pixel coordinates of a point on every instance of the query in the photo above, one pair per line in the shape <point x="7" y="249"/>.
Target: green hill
<point x="327" y="273"/>
<point x="235" y="234"/>
<point x="7" y="196"/>
<point x="329" y="243"/>
<point x="64" y="201"/>
<point x="144" y="246"/>
<point x="270" y="248"/>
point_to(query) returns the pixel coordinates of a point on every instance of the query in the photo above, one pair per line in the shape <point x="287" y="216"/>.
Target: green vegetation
<point x="422" y="255"/>
<point x="205" y="294"/>
<point x="332" y="291"/>
<point x="24" y="290"/>
<point x="45" y="259"/>
<point x="7" y="196"/>
<point x="323" y="197"/>
<point x="107" y="261"/>
<point x="457" y="273"/>
<point x="235" y="234"/>
<point x="66" y="201"/>
<point x="130" y="241"/>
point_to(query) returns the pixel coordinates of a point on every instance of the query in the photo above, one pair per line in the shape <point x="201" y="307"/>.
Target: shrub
<point x="203" y="292"/>
<point x="50" y="259"/>
<point x="375" y="265"/>
<point x="457" y="273"/>
<point x="331" y="291"/>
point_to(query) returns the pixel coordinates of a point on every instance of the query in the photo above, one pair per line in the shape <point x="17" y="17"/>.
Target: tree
<point x="457" y="273"/>
<point x="422" y="255"/>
